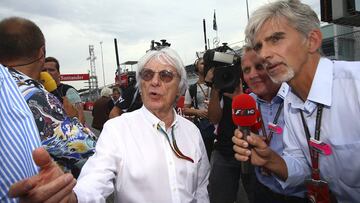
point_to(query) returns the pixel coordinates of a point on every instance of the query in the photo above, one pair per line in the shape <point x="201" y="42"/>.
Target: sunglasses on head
<point x="165" y="75"/>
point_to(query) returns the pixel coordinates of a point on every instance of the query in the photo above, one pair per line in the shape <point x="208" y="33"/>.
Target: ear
<point x="314" y="40"/>
<point x="42" y="54"/>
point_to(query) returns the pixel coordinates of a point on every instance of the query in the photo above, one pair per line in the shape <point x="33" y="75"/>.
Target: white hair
<point x="106" y="92"/>
<point x="165" y="56"/>
<point x="299" y="15"/>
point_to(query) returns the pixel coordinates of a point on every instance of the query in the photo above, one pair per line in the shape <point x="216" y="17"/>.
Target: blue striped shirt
<point x="18" y="136"/>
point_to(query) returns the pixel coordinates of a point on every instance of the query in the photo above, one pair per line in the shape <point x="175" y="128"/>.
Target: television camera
<point x="227" y="71"/>
<point x="157" y="45"/>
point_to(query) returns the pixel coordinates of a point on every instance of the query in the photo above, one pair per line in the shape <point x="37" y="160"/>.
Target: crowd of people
<point x="302" y="148"/>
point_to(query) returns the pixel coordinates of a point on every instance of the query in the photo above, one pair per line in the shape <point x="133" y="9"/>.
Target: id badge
<point x="317" y="191"/>
<point x="275" y="128"/>
<point x="320" y="146"/>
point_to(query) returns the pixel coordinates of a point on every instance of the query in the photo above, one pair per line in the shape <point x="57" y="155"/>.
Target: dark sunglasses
<point x="165" y="75"/>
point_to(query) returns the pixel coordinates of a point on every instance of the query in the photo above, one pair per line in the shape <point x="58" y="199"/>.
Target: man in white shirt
<point x="148" y="155"/>
<point x="324" y="105"/>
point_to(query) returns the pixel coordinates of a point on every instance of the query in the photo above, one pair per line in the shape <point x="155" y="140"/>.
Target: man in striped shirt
<point x="18" y="136"/>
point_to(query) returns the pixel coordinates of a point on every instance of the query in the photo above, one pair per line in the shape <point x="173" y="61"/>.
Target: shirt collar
<point x="321" y="86"/>
<point x="155" y="120"/>
<point x="280" y="96"/>
<point x="320" y="91"/>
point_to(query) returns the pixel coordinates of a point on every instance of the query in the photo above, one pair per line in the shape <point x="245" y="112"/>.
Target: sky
<point x="70" y="26"/>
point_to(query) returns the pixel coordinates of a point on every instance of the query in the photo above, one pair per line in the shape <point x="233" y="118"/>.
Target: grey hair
<point x="105" y="92"/>
<point x="300" y="16"/>
<point x="166" y="56"/>
<point x="245" y="49"/>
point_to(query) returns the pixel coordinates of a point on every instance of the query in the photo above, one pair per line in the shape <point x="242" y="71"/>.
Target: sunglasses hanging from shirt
<point x="174" y="146"/>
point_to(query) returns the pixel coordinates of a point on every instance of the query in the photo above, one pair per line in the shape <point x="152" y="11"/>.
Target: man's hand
<point x="202" y="113"/>
<point x="259" y="154"/>
<point x="238" y="90"/>
<point x="115" y="111"/>
<point x="50" y="185"/>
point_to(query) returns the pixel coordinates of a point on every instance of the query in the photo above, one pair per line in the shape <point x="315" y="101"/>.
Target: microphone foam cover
<point x="244" y="111"/>
<point x="48" y="82"/>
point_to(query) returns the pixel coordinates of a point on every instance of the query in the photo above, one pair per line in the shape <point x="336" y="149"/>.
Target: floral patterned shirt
<point x="66" y="139"/>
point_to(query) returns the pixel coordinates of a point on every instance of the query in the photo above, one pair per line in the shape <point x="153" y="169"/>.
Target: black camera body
<point x="227" y="67"/>
<point x="157" y="45"/>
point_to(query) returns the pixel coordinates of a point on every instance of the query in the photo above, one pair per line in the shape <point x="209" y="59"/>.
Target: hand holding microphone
<point x="245" y="115"/>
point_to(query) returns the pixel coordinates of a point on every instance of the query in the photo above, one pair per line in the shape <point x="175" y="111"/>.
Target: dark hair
<point x="20" y="38"/>
<point x="53" y="59"/>
<point x="196" y="63"/>
<point x="116" y="89"/>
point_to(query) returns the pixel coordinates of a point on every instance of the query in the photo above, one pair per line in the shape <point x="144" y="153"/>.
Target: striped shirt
<point x="18" y="136"/>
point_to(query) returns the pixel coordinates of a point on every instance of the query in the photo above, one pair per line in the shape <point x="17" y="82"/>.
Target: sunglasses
<point x="165" y="75"/>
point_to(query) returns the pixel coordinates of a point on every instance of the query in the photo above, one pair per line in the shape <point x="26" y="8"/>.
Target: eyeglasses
<point x="165" y="75"/>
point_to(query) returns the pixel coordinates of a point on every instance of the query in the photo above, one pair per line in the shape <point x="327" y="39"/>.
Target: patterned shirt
<point x="66" y="139"/>
<point x="18" y="136"/>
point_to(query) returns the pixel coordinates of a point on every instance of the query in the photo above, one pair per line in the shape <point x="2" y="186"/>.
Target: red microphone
<point x="244" y="115"/>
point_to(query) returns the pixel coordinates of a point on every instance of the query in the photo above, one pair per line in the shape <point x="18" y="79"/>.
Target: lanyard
<point x="174" y="146"/>
<point x="315" y="172"/>
<point x="269" y="137"/>
<point x="205" y="94"/>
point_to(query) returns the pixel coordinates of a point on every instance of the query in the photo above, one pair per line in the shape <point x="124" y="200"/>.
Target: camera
<point x="157" y="45"/>
<point x="227" y="71"/>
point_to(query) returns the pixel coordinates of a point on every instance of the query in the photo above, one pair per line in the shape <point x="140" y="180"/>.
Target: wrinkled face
<point x="159" y="93"/>
<point x="283" y="48"/>
<point x="50" y="67"/>
<point x="256" y="77"/>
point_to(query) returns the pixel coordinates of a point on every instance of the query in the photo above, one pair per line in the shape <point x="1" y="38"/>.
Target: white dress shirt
<point x="134" y="160"/>
<point x="336" y="84"/>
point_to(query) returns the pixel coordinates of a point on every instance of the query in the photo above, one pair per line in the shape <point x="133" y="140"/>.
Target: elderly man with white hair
<point x="148" y="155"/>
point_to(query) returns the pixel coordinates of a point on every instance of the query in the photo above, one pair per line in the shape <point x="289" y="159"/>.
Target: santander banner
<point x="74" y="77"/>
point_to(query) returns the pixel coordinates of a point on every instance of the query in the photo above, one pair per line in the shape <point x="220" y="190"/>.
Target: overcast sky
<point x="70" y="26"/>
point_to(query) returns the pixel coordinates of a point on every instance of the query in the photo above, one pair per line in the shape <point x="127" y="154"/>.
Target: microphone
<point x="244" y="115"/>
<point x="48" y="82"/>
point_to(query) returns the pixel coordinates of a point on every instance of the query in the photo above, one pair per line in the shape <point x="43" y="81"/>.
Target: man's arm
<point x="214" y="109"/>
<point x="201" y="194"/>
<point x="201" y="113"/>
<point x="80" y="108"/>
<point x="115" y="111"/>
<point x="75" y="99"/>
<point x="50" y="185"/>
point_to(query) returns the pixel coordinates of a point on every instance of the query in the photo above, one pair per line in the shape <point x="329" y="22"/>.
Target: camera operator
<point x="225" y="175"/>
<point x="196" y="105"/>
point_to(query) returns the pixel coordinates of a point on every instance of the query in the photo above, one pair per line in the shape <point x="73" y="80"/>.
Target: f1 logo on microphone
<point x="244" y="112"/>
